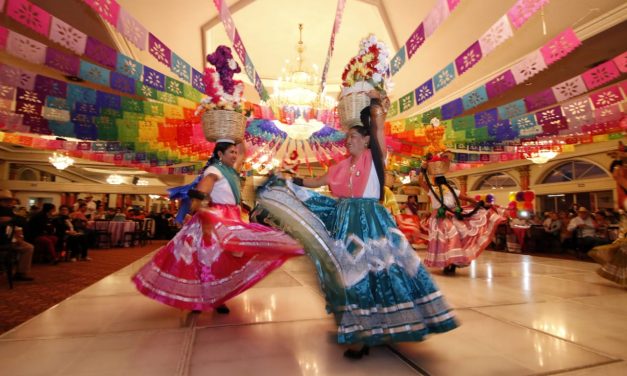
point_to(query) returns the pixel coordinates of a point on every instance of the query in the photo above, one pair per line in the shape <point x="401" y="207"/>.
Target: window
<point x="496" y="181"/>
<point x="574" y="170"/>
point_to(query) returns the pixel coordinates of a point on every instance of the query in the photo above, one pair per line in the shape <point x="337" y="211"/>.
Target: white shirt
<point x="372" y="190"/>
<point x="587" y="231"/>
<point x="221" y="192"/>
<point x="449" y="200"/>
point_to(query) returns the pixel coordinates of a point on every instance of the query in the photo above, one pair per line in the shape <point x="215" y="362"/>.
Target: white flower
<point x="232" y="64"/>
<point x="377" y="77"/>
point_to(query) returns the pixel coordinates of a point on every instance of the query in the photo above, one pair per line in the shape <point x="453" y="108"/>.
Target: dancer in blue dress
<point x="373" y="281"/>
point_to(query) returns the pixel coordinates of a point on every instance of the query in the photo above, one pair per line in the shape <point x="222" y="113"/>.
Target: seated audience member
<point x="602" y="225"/>
<point x="138" y="215"/>
<point x="77" y="204"/>
<point x="110" y="214"/>
<point x="118" y="216"/>
<point x="81" y="213"/>
<point x="40" y="232"/>
<point x="518" y="221"/>
<point x="74" y="238"/>
<point x="100" y="213"/>
<point x="546" y="223"/>
<point x="11" y="237"/>
<point x="411" y="207"/>
<point x="585" y="227"/>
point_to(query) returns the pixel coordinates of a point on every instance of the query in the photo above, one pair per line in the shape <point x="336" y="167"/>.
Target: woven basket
<point x="438" y="167"/>
<point x="411" y="190"/>
<point x="223" y="124"/>
<point x="349" y="107"/>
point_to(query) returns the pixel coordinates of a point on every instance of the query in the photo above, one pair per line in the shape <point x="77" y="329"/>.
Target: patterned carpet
<point x="53" y="284"/>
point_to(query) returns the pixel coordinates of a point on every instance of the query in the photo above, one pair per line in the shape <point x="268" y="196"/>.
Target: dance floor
<point x="520" y="315"/>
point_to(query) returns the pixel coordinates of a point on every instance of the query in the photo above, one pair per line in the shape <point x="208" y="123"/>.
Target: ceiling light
<point x="60" y="161"/>
<point x="542" y="156"/>
<point x="115" y="179"/>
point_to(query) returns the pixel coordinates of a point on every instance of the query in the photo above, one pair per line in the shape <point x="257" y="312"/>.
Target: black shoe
<point x="223" y="309"/>
<point x="357" y="354"/>
<point x="450" y="270"/>
<point x="22" y="278"/>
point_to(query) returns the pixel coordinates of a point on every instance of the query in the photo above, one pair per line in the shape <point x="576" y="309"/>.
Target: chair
<point x="135" y="236"/>
<point x="102" y="234"/>
<point x="147" y="231"/>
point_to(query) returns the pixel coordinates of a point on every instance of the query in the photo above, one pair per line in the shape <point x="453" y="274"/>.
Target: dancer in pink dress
<point x="215" y="256"/>
<point x="457" y="235"/>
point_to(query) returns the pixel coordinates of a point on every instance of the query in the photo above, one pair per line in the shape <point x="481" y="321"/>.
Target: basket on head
<point x="411" y="190"/>
<point x="436" y="168"/>
<point x="223" y="124"/>
<point x="349" y="108"/>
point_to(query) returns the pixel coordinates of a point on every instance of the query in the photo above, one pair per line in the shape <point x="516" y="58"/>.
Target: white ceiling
<point x="269" y="30"/>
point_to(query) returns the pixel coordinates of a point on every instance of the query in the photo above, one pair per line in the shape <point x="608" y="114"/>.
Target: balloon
<point x="520" y="205"/>
<point x="489" y="198"/>
<point x="478" y="197"/>
<point x="512" y="196"/>
<point x="528" y="205"/>
<point x="529" y="196"/>
<point x="520" y="196"/>
<point x="512" y="204"/>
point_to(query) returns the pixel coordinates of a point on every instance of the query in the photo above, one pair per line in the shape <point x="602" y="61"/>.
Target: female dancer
<point x="613" y="257"/>
<point x="373" y="280"/>
<point x="216" y="255"/>
<point x="455" y="237"/>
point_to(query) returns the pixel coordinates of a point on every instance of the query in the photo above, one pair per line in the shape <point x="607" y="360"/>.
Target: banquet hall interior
<point x="104" y="107"/>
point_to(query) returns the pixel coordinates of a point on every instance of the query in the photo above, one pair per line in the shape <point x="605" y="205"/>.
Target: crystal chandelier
<point x="295" y="98"/>
<point x="60" y="161"/>
<point x="542" y="156"/>
<point x="115" y="179"/>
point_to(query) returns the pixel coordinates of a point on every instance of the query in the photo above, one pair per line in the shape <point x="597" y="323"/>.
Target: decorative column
<point x="523" y="171"/>
<point x="463" y="184"/>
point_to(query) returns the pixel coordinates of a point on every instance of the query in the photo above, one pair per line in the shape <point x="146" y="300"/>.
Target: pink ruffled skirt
<point x="452" y="241"/>
<point x="214" y="257"/>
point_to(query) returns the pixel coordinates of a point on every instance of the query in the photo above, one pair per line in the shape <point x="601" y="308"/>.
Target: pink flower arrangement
<point x="223" y="92"/>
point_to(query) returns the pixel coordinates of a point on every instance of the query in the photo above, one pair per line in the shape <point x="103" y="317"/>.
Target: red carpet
<point x="53" y="284"/>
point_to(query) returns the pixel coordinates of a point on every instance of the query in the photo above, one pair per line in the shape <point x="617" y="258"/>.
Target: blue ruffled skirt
<point x="373" y="281"/>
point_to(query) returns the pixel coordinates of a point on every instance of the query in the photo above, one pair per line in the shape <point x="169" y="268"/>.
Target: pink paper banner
<point x="29" y="15"/>
<point x="67" y="36"/>
<point x="523" y="10"/>
<point x="416" y="40"/>
<point x="496" y="35"/>
<point x="468" y="58"/>
<point x="4" y="34"/>
<point x="569" y="89"/>
<point x="159" y="50"/>
<point x="25" y="48"/>
<point x="107" y="9"/>
<point x="560" y="46"/>
<point x="438" y="14"/>
<point x="601" y="74"/>
<point x="336" y="27"/>
<point x="606" y="97"/>
<point x="132" y="30"/>
<point x="531" y="65"/>
<point x="621" y="62"/>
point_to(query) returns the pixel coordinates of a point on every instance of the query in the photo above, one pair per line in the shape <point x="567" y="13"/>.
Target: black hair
<point x="616" y="163"/>
<point x="47" y="207"/>
<point x="215" y="158"/>
<point x="373" y="145"/>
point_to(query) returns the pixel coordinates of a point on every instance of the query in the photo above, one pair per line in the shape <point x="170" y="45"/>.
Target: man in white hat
<point x="586" y="231"/>
<point x="11" y="237"/>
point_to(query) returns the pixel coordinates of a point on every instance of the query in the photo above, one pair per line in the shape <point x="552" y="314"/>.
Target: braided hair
<point x="373" y="145"/>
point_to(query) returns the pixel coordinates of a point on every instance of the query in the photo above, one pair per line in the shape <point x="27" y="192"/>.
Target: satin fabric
<point x="452" y="241"/>
<point x="373" y="281"/>
<point x="214" y="257"/>
<point x="345" y="181"/>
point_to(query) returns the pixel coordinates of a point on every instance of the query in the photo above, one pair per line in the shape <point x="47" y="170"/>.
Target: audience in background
<point x="11" y="236"/>
<point x="40" y="232"/>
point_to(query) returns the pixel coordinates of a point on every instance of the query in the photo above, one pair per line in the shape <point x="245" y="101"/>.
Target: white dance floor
<point x="520" y="315"/>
